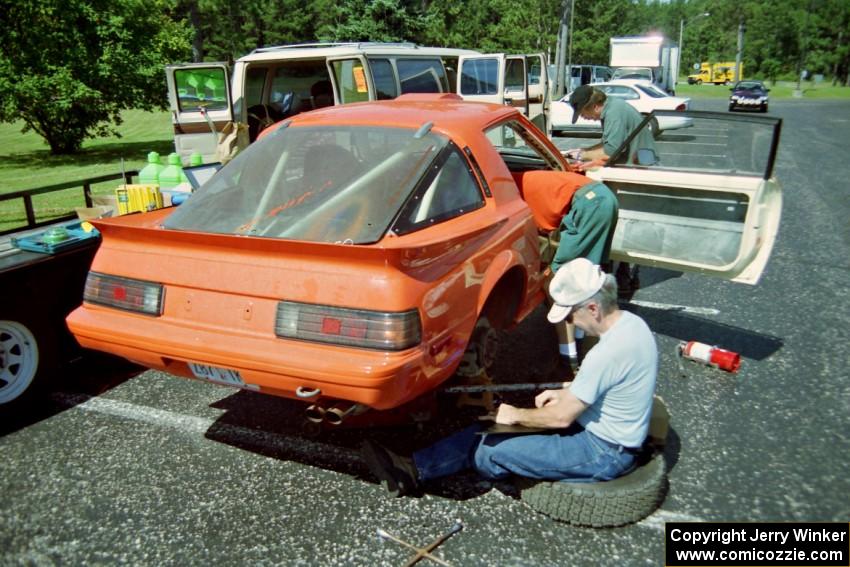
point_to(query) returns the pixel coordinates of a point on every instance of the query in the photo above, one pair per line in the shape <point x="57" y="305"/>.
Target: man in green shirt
<point x="618" y="119"/>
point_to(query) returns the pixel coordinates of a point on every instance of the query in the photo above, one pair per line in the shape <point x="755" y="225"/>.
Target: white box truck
<point x="653" y="58"/>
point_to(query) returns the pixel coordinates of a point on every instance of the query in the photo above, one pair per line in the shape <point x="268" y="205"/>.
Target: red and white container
<point x="710" y="355"/>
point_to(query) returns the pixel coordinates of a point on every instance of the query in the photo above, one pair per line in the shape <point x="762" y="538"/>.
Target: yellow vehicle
<point x="716" y="73"/>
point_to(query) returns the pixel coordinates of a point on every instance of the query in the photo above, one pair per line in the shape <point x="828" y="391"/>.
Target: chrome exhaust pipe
<point x="315" y="413"/>
<point x="339" y="412"/>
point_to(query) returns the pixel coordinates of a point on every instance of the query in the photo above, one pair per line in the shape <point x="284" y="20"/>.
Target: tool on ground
<point x="481" y="396"/>
<point x="424" y="552"/>
<point x="528" y="386"/>
<point x="709" y="355"/>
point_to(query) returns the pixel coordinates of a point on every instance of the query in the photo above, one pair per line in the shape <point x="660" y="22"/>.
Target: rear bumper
<point x="380" y="380"/>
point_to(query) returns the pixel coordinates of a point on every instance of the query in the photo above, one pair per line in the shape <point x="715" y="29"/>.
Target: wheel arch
<point x="504" y="286"/>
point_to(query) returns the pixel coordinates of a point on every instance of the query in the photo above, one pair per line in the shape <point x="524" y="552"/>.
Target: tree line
<point x="782" y="37"/>
<point x="69" y="67"/>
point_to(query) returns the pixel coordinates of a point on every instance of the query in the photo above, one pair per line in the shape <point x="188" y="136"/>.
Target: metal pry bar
<point x="424" y="552"/>
<point x="386" y="535"/>
<point x="503" y="387"/>
<point x="433" y="545"/>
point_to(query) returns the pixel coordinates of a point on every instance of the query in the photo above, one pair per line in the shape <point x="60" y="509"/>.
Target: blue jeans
<point x="572" y="454"/>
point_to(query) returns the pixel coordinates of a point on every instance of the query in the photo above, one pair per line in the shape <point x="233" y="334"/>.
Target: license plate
<point x="218" y="375"/>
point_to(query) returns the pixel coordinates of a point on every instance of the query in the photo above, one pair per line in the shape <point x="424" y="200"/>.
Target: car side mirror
<point x="646" y="156"/>
<point x="732" y="89"/>
<point x="767" y="90"/>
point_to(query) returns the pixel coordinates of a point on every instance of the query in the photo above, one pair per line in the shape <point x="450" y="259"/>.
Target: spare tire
<point x="601" y="504"/>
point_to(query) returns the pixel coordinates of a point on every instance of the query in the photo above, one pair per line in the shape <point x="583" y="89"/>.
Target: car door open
<point x="200" y="102"/>
<point x="703" y="199"/>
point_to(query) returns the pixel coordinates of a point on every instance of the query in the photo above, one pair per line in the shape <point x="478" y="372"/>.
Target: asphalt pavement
<point x="140" y="468"/>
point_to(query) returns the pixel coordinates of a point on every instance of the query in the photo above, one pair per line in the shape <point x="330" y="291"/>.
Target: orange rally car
<point x="356" y="256"/>
<point x="353" y="254"/>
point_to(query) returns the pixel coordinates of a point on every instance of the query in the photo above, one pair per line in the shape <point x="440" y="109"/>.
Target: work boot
<point x="397" y="474"/>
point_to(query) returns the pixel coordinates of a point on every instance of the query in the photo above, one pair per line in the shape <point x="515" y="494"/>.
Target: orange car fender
<point x="501" y="264"/>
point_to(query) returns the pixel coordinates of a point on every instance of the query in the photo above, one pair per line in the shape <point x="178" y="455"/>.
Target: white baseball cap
<point x="576" y="281"/>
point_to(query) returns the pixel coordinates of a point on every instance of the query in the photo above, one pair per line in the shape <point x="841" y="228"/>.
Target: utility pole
<point x="835" y="67"/>
<point x="569" y="71"/>
<point x="741" y="29"/>
<point x="561" y="50"/>
<point x="682" y="42"/>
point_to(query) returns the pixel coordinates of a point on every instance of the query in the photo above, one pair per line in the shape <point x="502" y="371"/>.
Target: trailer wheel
<point x="616" y="502"/>
<point x="22" y="361"/>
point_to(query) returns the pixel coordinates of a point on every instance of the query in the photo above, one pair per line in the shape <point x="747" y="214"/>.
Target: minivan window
<point x="450" y="65"/>
<point x="421" y="76"/>
<point x="255" y="81"/>
<point x="351" y="80"/>
<point x="198" y="88"/>
<point x="479" y="77"/>
<point x="514" y="75"/>
<point x="534" y="70"/>
<point x="292" y="84"/>
<point x="383" y="78"/>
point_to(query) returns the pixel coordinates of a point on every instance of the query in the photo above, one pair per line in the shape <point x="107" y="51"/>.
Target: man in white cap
<point x="598" y="423"/>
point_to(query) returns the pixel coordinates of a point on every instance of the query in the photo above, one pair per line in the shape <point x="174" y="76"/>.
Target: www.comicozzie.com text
<point x="807" y="535"/>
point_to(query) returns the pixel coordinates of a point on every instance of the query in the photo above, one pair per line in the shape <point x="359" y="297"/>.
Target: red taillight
<point x="682" y="107"/>
<point x="331" y="326"/>
<point x="124" y="293"/>
<point x="350" y="327"/>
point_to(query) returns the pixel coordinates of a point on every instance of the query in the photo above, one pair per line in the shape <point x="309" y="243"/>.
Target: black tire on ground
<point x="623" y="500"/>
<point x="764" y="108"/>
<point x="731" y="107"/>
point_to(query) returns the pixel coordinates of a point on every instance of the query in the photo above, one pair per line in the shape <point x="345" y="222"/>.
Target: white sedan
<point x="642" y="95"/>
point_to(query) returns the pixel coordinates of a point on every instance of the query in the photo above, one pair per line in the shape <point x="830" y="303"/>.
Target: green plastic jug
<point x="172" y="175"/>
<point x="150" y="173"/>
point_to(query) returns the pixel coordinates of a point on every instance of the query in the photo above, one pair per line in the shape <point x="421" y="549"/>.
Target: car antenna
<point x="424" y="129"/>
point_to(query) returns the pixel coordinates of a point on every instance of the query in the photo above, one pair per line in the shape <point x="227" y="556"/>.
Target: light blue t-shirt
<point x="617" y="382"/>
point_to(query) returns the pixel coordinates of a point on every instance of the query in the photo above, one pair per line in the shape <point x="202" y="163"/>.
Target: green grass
<point x="26" y="163"/>
<point x="780" y="90"/>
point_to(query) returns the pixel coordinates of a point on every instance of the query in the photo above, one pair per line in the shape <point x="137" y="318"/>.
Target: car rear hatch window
<point x="342" y="184"/>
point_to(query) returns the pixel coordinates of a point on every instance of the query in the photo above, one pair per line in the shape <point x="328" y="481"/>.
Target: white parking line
<point x="657" y="519"/>
<point x="198" y="425"/>
<point x="673" y="307"/>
